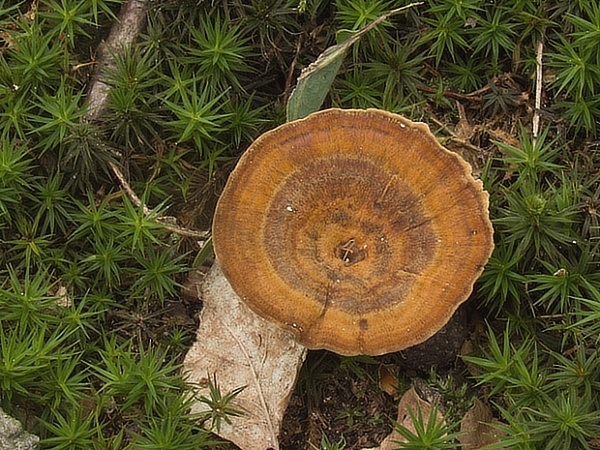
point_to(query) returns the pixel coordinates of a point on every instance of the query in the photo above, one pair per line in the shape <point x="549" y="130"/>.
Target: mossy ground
<point x="93" y="321"/>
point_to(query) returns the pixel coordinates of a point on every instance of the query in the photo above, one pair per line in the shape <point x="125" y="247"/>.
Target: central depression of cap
<point x="354" y="229"/>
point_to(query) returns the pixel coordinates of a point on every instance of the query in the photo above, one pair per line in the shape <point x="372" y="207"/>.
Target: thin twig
<point x="538" y="89"/>
<point x="182" y="231"/>
<point x="288" y="80"/>
<point x="472" y="97"/>
<point x="121" y="38"/>
<point x="165" y="221"/>
<point x="455" y="137"/>
<point x="125" y="185"/>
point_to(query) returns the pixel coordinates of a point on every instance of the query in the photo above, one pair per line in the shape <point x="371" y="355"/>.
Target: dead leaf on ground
<point x="476" y="431"/>
<point x="469" y="349"/>
<point x="595" y="443"/>
<point x="463" y="129"/>
<point x="388" y="382"/>
<point x="192" y="288"/>
<point x="409" y="401"/>
<point x="501" y="135"/>
<point x="239" y="348"/>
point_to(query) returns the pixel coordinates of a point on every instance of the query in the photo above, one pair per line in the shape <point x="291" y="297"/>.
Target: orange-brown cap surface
<point x="354" y="229"/>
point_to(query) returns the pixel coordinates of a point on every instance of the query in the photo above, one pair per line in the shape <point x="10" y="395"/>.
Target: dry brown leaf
<point x="463" y="129"/>
<point x="469" y="349"/>
<point x="409" y="401"/>
<point x="240" y="349"/>
<point x="595" y="443"/>
<point x="501" y="135"/>
<point x="388" y="382"/>
<point x="192" y="287"/>
<point x="476" y="431"/>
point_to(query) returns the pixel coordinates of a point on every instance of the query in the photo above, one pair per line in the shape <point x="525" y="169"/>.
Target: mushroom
<point x="353" y="229"/>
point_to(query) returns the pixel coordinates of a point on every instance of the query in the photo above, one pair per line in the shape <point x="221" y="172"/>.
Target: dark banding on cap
<point x="354" y="229"/>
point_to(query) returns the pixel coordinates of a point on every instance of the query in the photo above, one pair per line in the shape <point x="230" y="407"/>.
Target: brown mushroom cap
<point x="354" y="229"/>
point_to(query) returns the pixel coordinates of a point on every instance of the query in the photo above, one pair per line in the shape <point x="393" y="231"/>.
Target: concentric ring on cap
<point x="354" y="229"/>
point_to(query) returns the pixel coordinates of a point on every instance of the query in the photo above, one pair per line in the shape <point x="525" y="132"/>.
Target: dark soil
<point x="341" y="399"/>
<point x="341" y="402"/>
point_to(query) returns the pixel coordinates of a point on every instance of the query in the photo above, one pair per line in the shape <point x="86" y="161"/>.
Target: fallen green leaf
<point x="316" y="79"/>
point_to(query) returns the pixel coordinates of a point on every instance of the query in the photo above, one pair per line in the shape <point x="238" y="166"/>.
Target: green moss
<point x="86" y="273"/>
